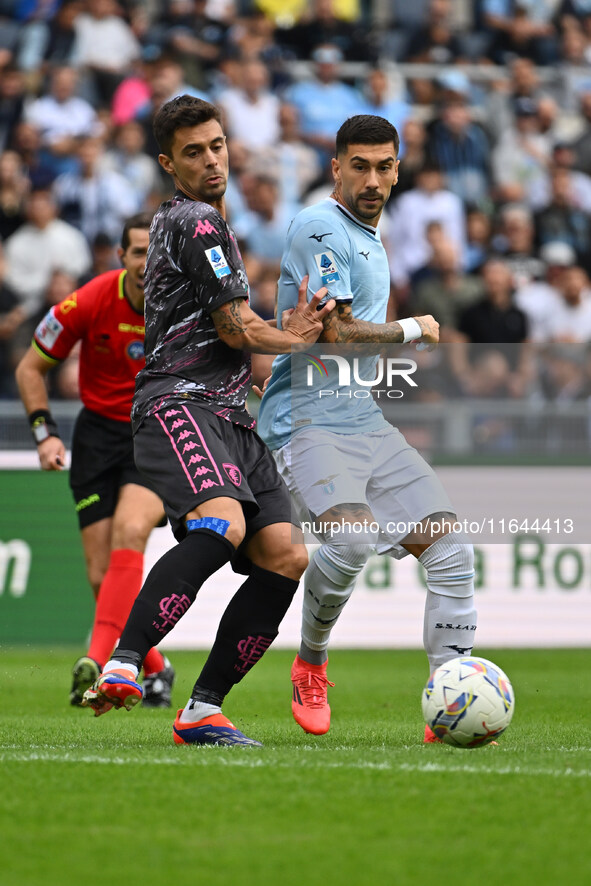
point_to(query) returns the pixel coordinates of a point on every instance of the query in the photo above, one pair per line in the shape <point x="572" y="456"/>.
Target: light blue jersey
<point x="336" y="250"/>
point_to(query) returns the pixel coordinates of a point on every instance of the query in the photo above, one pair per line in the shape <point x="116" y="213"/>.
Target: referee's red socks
<point x="118" y="591"/>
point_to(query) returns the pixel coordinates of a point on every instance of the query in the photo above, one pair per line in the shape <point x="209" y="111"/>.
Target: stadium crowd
<point x="488" y="228"/>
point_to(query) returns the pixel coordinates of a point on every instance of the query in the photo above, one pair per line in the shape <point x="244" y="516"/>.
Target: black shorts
<point x="102" y="462"/>
<point x="190" y="455"/>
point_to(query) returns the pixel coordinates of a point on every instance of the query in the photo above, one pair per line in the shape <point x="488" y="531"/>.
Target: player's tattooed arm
<point x="342" y="327"/>
<point x="228" y="319"/>
<point x="239" y="327"/>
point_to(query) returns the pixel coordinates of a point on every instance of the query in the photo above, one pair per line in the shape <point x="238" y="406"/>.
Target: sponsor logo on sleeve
<point x="327" y="266"/>
<point x="216" y="258"/>
<point x="48" y="331"/>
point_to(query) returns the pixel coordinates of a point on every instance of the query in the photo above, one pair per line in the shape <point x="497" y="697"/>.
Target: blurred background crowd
<point x="488" y="228"/>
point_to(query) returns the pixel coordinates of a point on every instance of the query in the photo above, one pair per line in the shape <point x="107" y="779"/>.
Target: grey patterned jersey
<point x="193" y="267"/>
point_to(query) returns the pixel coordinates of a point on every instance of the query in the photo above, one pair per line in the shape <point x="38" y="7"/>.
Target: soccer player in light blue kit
<point x="342" y="461"/>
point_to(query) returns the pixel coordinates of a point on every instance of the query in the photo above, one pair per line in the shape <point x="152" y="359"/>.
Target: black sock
<point x="169" y="589"/>
<point x="248" y="627"/>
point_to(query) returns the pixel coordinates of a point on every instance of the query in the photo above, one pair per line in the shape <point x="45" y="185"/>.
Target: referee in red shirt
<point x="116" y="508"/>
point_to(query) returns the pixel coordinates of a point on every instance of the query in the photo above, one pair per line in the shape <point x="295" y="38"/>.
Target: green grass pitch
<point x="95" y="802"/>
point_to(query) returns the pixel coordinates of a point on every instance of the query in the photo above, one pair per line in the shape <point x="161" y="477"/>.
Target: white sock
<point x="329" y="581"/>
<point x="450" y="617"/>
<point x="448" y="628"/>
<point x="197" y="710"/>
<point x="114" y="665"/>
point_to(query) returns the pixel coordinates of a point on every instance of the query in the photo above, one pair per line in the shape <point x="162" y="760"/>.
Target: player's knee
<point x="449" y="562"/>
<point x="233" y="530"/>
<point x="289" y="560"/>
<point x="132" y="534"/>
<point x="342" y="562"/>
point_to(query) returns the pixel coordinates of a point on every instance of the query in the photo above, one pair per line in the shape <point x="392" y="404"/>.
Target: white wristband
<point x="410" y="329"/>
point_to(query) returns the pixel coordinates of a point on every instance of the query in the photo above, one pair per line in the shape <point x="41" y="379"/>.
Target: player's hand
<point x="305" y="323"/>
<point x="52" y="454"/>
<point x="429" y="329"/>
<point x="260" y="392"/>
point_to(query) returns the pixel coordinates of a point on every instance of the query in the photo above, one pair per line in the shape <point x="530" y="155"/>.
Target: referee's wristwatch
<point x="42" y="425"/>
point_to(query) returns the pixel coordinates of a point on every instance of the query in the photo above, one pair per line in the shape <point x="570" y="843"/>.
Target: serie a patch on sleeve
<point x="327" y="266"/>
<point x="217" y="260"/>
<point x="48" y="331"/>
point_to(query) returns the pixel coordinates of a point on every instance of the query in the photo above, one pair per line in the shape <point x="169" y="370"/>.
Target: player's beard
<point x="368" y="214"/>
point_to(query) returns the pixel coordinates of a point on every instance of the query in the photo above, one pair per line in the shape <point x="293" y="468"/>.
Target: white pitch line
<point x="256" y="762"/>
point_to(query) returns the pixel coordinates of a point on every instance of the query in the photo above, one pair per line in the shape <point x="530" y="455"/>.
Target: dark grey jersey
<point x="193" y="267"/>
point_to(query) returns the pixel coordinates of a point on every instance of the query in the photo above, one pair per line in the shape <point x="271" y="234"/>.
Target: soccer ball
<point x="468" y="702"/>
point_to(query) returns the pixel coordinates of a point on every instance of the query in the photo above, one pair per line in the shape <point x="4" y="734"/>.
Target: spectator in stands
<point x="132" y="95"/>
<point x="496" y="362"/>
<point x="495" y="317"/>
<point x="521" y="158"/>
<point x="264" y="235"/>
<point x="127" y="158"/>
<point x="166" y="81"/>
<point x="104" y="258"/>
<point x="251" y="111"/>
<point x="540" y="299"/>
<point x="435" y="42"/>
<point x="478" y="236"/>
<point x="60" y="45"/>
<point x="503" y="96"/>
<point x="12" y="315"/>
<point x="446" y="291"/>
<point x="290" y="161"/>
<point x="572" y="320"/>
<point x="12" y="100"/>
<point x="574" y="12"/>
<point x="33" y="33"/>
<point x="14" y="187"/>
<point x="521" y="27"/>
<point x="42" y="245"/>
<point x="462" y="150"/>
<point x="562" y="220"/>
<point x="411" y="215"/>
<point x="94" y="199"/>
<point x="582" y="145"/>
<point x="254" y="37"/>
<point x="62" y="117"/>
<point x="195" y="38"/>
<point x="324" y="102"/>
<point x="26" y="142"/>
<point x="414" y="137"/>
<point x="106" y="47"/>
<point x="322" y="27"/>
<point x="515" y="244"/>
<point x="563" y="156"/>
<point x="379" y="101"/>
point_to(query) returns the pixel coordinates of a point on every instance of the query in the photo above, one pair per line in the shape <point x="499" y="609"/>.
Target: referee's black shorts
<point x="190" y="455"/>
<point x="102" y="462"/>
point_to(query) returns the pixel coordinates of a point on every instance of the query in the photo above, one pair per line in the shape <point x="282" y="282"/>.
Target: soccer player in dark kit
<point x="194" y="438"/>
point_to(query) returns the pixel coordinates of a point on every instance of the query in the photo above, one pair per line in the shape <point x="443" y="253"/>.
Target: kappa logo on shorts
<point x="327" y="266"/>
<point x="216" y="258"/>
<point x="233" y="473"/>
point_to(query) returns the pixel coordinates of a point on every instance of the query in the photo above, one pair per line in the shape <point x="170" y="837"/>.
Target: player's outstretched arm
<point x="341" y="326"/>
<point x="30" y="378"/>
<point x="239" y="327"/>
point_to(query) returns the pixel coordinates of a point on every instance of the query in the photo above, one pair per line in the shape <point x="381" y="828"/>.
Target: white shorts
<point x="378" y="469"/>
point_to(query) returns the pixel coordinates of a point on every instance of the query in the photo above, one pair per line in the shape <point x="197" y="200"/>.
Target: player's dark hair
<point x="141" y="220"/>
<point x="182" y="111"/>
<point x="366" y="129"/>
